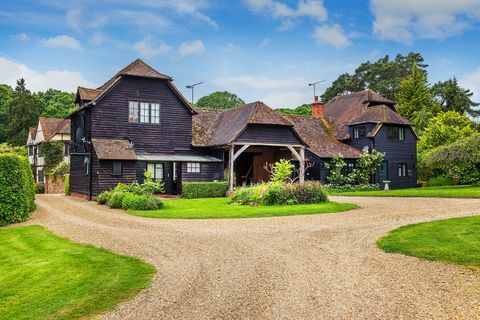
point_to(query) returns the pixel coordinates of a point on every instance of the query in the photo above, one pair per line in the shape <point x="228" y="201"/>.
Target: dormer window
<point x="143" y="112"/>
<point x="396" y="133"/>
<point x="358" y="132"/>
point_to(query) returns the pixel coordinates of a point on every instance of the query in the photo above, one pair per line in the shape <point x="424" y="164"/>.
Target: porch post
<point x="231" y="152"/>
<point x="302" y="165"/>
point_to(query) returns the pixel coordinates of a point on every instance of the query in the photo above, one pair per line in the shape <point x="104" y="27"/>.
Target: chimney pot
<point x="316" y="98"/>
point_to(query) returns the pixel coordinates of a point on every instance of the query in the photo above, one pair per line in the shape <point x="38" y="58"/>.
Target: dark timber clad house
<point x="139" y="121"/>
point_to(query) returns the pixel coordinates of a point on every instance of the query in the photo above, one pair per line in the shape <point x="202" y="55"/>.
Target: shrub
<point x="351" y="187"/>
<point x="104" y="197"/>
<point x="52" y="154"/>
<point x="39" y="188"/>
<point x="116" y="199"/>
<point x="440" y="181"/>
<point x="151" y="186"/>
<point x="60" y="169"/>
<point x="132" y="187"/>
<point x="194" y="190"/>
<point x="66" y="186"/>
<point x="140" y="202"/>
<point x="282" y="171"/>
<point x="17" y="196"/>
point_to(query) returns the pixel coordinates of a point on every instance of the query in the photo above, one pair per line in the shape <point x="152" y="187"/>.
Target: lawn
<point x="216" y="208"/>
<point x="454" y="241"/>
<point x="43" y="276"/>
<point x="429" y="192"/>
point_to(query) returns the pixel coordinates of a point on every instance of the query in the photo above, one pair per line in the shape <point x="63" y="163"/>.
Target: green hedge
<point x="17" y="195"/>
<point x="194" y="190"/>
<point x="66" y="184"/>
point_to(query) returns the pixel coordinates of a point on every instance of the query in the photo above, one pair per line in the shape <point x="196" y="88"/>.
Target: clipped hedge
<point x="17" y="189"/>
<point x="141" y="202"/>
<point x="194" y="190"/>
<point x="66" y="186"/>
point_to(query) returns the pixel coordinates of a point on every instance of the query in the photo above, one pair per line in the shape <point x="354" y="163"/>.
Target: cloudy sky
<point x="259" y="49"/>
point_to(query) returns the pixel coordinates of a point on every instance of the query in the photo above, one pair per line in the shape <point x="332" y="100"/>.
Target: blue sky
<point x="259" y="49"/>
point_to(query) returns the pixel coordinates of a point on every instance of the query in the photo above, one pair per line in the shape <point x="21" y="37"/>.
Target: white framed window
<point x="132" y="111"/>
<point x="358" y="132"/>
<point x="402" y="169"/>
<point x="144" y="112"/>
<point x="154" y="113"/>
<point x="193" y="167"/>
<point x="156" y="169"/>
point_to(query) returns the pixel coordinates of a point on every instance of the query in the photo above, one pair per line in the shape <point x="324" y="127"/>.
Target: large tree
<point x="452" y="97"/>
<point x="415" y="99"/>
<point x="383" y="76"/>
<point x="6" y="96"/>
<point x="219" y="100"/>
<point x="22" y="114"/>
<point x="304" y="109"/>
<point x="55" y="103"/>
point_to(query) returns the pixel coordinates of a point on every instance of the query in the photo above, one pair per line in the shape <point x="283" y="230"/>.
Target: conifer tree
<point x="22" y="114"/>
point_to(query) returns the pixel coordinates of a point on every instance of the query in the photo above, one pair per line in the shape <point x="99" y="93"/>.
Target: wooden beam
<point x="230" y="167"/>
<point x="294" y="152"/>
<point x="302" y="165"/>
<point x="239" y="151"/>
<point x="268" y="144"/>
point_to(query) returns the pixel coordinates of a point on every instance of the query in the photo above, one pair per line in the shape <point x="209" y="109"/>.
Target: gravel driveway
<point x="301" y="267"/>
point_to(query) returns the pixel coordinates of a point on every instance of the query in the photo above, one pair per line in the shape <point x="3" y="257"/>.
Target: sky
<point x="264" y="50"/>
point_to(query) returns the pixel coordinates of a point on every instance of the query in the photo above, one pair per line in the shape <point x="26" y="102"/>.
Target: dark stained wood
<point x="269" y="134"/>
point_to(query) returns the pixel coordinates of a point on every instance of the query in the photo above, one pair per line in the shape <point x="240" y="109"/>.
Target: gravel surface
<point x="301" y="267"/>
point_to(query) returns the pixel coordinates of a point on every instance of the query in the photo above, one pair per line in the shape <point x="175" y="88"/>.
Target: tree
<point x="219" y="100"/>
<point x="22" y="114"/>
<point x="6" y="96"/>
<point x="55" y="103"/>
<point x="415" y="100"/>
<point x="443" y="129"/>
<point x="382" y="76"/>
<point x="304" y="109"/>
<point x="366" y="165"/>
<point x="452" y="97"/>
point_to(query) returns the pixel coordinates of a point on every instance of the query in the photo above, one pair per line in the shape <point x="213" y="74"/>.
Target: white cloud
<point x="148" y="48"/>
<point x="41" y="81"/>
<point x="333" y="35"/>
<point x="407" y="20"/>
<point x="287" y="99"/>
<point x="472" y="81"/>
<point x="96" y="39"/>
<point x="20" y="37"/>
<point x="63" y="41"/>
<point x="142" y="20"/>
<point x="73" y="18"/>
<point x="190" y="48"/>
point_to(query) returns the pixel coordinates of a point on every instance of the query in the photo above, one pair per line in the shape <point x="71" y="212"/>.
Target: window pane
<point x="133" y="111"/>
<point x="155" y="112"/>
<point x="402" y="134"/>
<point x="193" y="167"/>
<point x="117" y="167"/>
<point x="144" y="112"/>
<point x="151" y="168"/>
<point x="159" y="171"/>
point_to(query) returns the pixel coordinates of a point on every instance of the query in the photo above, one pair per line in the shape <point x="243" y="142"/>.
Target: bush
<point x="194" y="190"/>
<point x="17" y="196"/>
<point x="351" y="187"/>
<point x="39" y="188"/>
<point x="104" y="197"/>
<point x="66" y="186"/>
<point x="115" y="200"/>
<point x="440" y="181"/>
<point x="141" y="202"/>
<point x="60" y="169"/>
<point x="132" y="188"/>
<point x="151" y="186"/>
<point x="281" y="194"/>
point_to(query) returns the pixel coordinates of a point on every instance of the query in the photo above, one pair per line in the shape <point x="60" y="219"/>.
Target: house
<point x="138" y="120"/>
<point x="365" y="121"/>
<point x="47" y="130"/>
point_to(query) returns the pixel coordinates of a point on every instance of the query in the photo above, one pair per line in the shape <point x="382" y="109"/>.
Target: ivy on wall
<point x="52" y="153"/>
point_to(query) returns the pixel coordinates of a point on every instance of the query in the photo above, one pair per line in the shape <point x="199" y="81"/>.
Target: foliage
<point x="116" y="199"/>
<point x="443" y="129"/>
<point x="219" y="100"/>
<point x="140" y="202"/>
<point x="49" y="277"/>
<point x="280" y="194"/>
<point x="382" y="76"/>
<point x="366" y="165"/>
<point x="339" y="188"/>
<point x="452" y="97"/>
<point x="304" y="109"/>
<point x="60" y="169"/>
<point x="55" y="103"/>
<point x="22" y="114"/>
<point x="6" y="97"/>
<point x="337" y="167"/>
<point x="151" y="186"/>
<point x="6" y="148"/>
<point x="453" y="241"/>
<point x="195" y="190"/>
<point x="104" y="196"/>
<point x="132" y="187"/>
<point x="17" y="196"/>
<point x="440" y="181"/>
<point x="462" y="151"/>
<point x="415" y="100"/>
<point x="282" y="171"/>
<point x="52" y="154"/>
<point x="66" y="185"/>
<point x="39" y="188"/>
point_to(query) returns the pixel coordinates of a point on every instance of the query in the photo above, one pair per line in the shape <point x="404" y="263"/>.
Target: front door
<point x="383" y="172"/>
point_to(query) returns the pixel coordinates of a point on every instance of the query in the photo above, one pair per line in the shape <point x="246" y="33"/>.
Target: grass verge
<point x="43" y="276"/>
<point x="428" y="192"/>
<point x="455" y="241"/>
<point x="219" y="208"/>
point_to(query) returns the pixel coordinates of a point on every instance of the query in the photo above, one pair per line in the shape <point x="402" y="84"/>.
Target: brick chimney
<point x="317" y="108"/>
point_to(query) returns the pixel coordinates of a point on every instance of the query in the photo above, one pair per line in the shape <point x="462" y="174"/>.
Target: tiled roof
<point x="317" y="133"/>
<point x="363" y="106"/>
<point x="113" y="149"/>
<point x="221" y="127"/>
<point x="53" y="126"/>
<point x="88" y="94"/>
